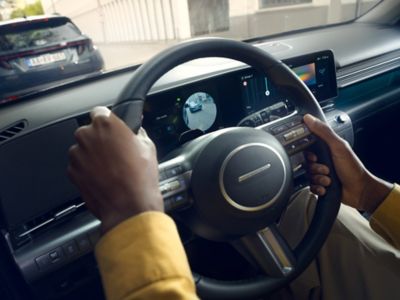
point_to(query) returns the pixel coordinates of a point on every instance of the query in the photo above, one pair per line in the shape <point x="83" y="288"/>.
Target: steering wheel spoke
<point x="268" y="250"/>
<point x="291" y="132"/>
<point x="174" y="180"/>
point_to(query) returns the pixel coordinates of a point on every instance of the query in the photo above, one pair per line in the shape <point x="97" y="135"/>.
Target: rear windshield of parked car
<point x="20" y="37"/>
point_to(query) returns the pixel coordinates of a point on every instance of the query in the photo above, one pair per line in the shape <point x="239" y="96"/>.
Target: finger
<point x="318" y="190"/>
<point x="311" y="157"/>
<point x="142" y="132"/>
<point x="321" y="180"/>
<point x="322" y="130"/>
<point x="74" y="155"/>
<point x="81" y="135"/>
<point x="315" y="168"/>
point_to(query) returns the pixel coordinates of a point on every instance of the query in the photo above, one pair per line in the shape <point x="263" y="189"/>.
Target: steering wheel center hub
<point x="252" y="177"/>
<point x="241" y="180"/>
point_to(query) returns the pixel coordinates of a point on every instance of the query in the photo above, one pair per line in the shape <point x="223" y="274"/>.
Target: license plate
<point x="45" y="59"/>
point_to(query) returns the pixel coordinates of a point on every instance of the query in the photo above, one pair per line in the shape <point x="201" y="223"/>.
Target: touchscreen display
<point x="318" y="72"/>
<point x="306" y="74"/>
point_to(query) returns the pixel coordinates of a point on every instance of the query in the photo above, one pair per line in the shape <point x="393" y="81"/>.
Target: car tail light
<point x="81" y="49"/>
<point x="5" y="65"/>
<point x="90" y="45"/>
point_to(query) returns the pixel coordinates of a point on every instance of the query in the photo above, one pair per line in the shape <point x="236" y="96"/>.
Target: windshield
<point x="83" y="38"/>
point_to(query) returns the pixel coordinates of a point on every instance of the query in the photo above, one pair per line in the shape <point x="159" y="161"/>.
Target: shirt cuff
<point x="386" y="218"/>
<point x="140" y="251"/>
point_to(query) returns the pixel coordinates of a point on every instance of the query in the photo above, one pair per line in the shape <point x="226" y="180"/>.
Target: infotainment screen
<point x="318" y="72"/>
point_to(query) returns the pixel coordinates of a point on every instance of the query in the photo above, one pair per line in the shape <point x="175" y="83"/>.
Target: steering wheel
<point x="236" y="182"/>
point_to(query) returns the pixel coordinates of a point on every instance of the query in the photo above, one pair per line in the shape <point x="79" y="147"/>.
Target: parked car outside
<point x="195" y="106"/>
<point x="35" y="51"/>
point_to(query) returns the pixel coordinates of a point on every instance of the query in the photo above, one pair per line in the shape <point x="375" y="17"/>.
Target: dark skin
<point x="360" y="189"/>
<point x="116" y="171"/>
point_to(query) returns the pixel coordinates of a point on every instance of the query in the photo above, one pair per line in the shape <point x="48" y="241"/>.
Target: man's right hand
<point x="361" y="189"/>
<point x="115" y="170"/>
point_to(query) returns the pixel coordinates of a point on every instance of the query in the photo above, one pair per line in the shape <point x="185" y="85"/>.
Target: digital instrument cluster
<point x="240" y="98"/>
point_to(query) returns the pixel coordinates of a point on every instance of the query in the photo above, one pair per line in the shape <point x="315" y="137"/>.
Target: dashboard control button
<point x="83" y="243"/>
<point x="71" y="249"/>
<point x="43" y="261"/>
<point x="342" y="118"/>
<point x="56" y="256"/>
<point x="94" y="236"/>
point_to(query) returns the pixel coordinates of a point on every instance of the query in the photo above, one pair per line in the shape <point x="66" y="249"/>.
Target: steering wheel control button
<point x="279" y="129"/>
<point x="170" y="172"/>
<point x="256" y="184"/>
<point x="174" y="171"/>
<point x="293" y="135"/>
<point x="264" y="116"/>
<point x="170" y="186"/>
<point x="176" y="202"/>
<point x="289" y="136"/>
<point x="301" y="144"/>
<point x="279" y="109"/>
<point x="162" y="175"/>
<point x="294" y="121"/>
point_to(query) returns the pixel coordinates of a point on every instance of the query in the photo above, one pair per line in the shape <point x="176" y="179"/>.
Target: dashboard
<point x="173" y="116"/>
<point x="47" y="231"/>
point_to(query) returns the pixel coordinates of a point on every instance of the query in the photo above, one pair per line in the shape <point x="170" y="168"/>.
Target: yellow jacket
<point x="143" y="257"/>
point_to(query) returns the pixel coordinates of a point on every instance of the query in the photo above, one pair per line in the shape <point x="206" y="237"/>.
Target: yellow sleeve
<point x="386" y="218"/>
<point x="143" y="258"/>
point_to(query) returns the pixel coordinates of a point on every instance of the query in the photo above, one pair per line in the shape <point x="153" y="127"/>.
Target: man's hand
<point x="115" y="170"/>
<point x="361" y="189"/>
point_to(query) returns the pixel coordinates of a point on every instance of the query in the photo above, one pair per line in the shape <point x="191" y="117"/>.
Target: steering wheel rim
<point x="129" y="107"/>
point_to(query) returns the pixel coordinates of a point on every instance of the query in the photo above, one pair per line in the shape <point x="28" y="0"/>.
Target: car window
<point x="24" y="38"/>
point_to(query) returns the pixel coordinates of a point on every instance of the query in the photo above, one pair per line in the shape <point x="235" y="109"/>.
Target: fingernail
<point x="309" y="118"/>
<point x="100" y="111"/>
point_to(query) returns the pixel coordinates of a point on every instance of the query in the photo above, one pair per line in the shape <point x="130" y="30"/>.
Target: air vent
<point x="11" y="131"/>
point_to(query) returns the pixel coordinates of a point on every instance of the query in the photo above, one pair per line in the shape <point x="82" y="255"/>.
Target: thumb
<point x="322" y="130"/>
